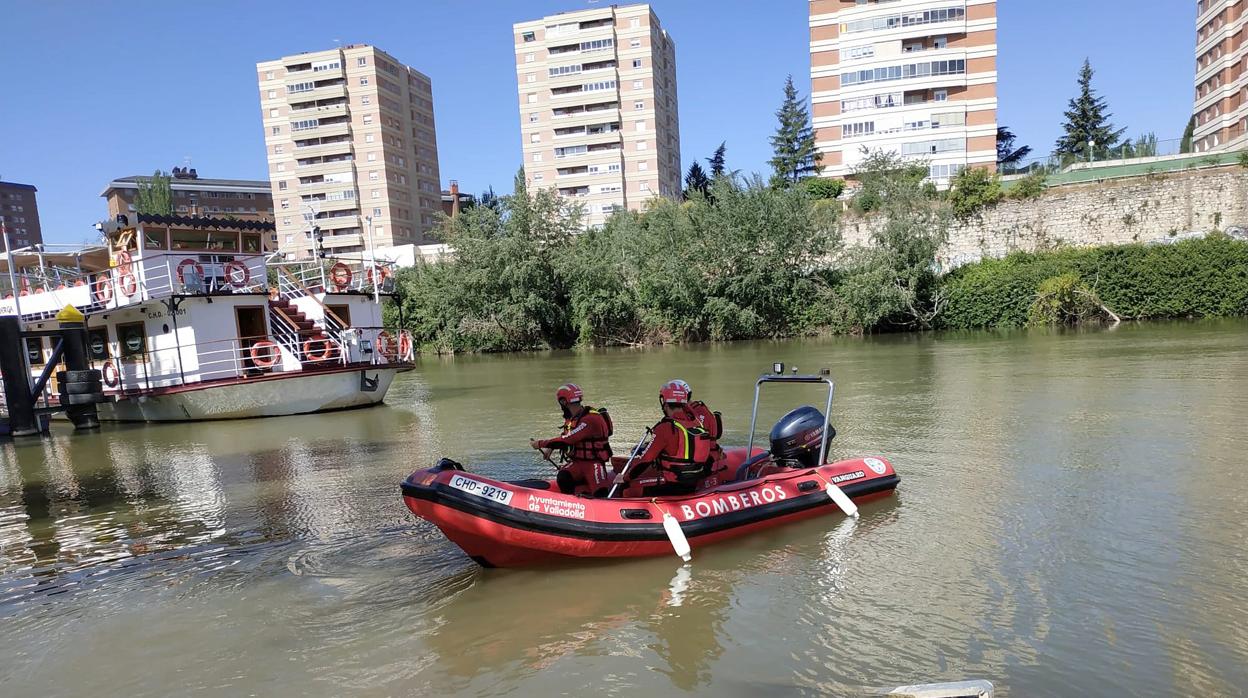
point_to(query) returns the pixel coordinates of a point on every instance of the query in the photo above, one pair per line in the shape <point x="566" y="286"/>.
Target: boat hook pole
<point x="632" y="456"/>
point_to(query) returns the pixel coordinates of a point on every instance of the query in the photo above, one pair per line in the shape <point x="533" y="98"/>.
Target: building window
<point x="368" y="119"/>
<point x="368" y="138"/>
<point x="643" y="166"/>
<point x="272" y="94"/>
<point x="639" y="105"/>
<point x="535" y="138"/>
<point x="636" y="62"/>
<point x="273" y="113"/>
<point x="372" y="157"/>
<point x="537" y="157"/>
<point x="363" y="79"/>
<point x="531" y="98"/>
<point x="539" y="177"/>
<point x="528" y="36"/>
<point x="940" y="95"/>
<point x="275" y="130"/>
<point x="277" y="149"/>
<point x="645" y="186"/>
<point x="641" y="125"/>
<point x="285" y="204"/>
<point x="281" y="186"/>
<point x="281" y="167"/>
<point x="376" y="213"/>
<point x="376" y="194"/>
<point x="361" y="61"/>
<point x="638" y="84"/>
<point x="373" y="176"/>
<point x="641" y="145"/>
<point x="940" y="42"/>
<point x="635" y="43"/>
<point x="528" y="58"/>
<point x="268" y="75"/>
<point x="634" y="22"/>
<point x="533" y="117"/>
<point x="366" y="100"/>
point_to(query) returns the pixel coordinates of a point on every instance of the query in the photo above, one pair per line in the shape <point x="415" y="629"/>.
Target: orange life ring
<point x="382" y="274"/>
<point x="129" y="285"/>
<point x="102" y="288"/>
<point x="326" y="353"/>
<point x="123" y="262"/>
<point x="386" y="346"/>
<point x="340" y="274"/>
<point x="61" y="286"/>
<point x="79" y="282"/>
<point x="188" y="262"/>
<point x="236" y="274"/>
<point x="267" y="359"/>
<point x="23" y="292"/>
<point x="111" y="377"/>
<point x="405" y="345"/>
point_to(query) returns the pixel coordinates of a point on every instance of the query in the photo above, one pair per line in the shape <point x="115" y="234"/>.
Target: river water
<point x="1071" y="521"/>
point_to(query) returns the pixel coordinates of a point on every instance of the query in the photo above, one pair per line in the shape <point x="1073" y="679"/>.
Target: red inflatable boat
<point x="508" y="524"/>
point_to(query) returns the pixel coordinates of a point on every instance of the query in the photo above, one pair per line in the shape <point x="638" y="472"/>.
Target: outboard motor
<point x="798" y="436"/>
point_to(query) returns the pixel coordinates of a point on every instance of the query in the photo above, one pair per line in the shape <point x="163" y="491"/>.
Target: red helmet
<point x="569" y="392"/>
<point x="674" y="393"/>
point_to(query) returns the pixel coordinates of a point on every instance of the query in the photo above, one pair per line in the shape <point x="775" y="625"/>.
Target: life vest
<point x="694" y="454"/>
<point x="592" y="450"/>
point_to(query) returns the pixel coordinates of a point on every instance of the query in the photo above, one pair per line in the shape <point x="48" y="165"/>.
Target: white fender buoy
<point x="842" y="500"/>
<point x="679" y="543"/>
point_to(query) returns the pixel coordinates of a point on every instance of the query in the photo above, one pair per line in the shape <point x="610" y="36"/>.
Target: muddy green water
<point x="1071" y="521"/>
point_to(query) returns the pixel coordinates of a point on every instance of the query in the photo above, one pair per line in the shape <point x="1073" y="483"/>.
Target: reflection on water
<point x="1071" y="522"/>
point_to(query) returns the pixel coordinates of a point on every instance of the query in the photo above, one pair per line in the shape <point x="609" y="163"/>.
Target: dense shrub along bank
<point x="1192" y="278"/>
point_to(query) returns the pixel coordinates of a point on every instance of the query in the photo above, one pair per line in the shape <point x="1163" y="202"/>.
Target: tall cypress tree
<point x="696" y="180"/>
<point x="1087" y="119"/>
<point x="155" y="195"/>
<point x="1185" y="145"/>
<point x="716" y="161"/>
<point x="793" y="145"/>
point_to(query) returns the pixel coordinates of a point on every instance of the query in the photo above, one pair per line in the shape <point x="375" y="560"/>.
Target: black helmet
<point x="798" y="436"/>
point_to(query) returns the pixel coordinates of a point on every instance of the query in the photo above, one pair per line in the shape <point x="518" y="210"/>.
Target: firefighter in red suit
<point x="681" y="454"/>
<point x="584" y="442"/>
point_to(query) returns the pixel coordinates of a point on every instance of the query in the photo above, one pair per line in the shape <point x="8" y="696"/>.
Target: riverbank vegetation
<point x="1205" y="277"/>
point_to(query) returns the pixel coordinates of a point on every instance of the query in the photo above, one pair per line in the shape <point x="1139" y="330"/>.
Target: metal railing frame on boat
<point x="297" y="277"/>
<point x="779" y="377"/>
<point x="232" y="359"/>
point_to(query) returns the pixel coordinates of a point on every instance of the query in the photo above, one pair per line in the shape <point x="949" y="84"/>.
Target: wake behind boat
<point x="530" y="522"/>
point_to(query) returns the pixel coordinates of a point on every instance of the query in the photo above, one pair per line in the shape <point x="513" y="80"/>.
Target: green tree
<point x="1087" y="120"/>
<point x="696" y="181"/>
<point x="155" y="195"/>
<point x="972" y="189"/>
<point x="1008" y="156"/>
<point x="893" y="283"/>
<point x="1185" y="145"/>
<point x="824" y="187"/>
<point x="793" y="146"/>
<point x="716" y="161"/>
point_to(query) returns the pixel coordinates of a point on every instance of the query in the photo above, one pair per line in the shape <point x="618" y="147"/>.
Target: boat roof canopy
<point x="88" y="257"/>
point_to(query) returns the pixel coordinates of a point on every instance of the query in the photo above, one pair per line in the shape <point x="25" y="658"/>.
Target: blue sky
<point x="125" y="88"/>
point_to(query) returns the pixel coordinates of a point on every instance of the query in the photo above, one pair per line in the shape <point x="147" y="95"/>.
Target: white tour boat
<point x="188" y="319"/>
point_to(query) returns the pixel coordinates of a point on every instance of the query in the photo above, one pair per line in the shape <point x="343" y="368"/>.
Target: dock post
<point x="16" y="375"/>
<point x="73" y="328"/>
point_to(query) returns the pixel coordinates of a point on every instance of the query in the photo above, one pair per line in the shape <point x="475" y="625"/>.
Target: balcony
<point x="319" y="112"/>
<point x="342" y="128"/>
<point x="324" y="168"/>
<point x="326" y="188"/>
<point x="345" y="240"/>
<point x="316" y="94"/>
<point x="337" y="223"/>
<point x="309" y="151"/>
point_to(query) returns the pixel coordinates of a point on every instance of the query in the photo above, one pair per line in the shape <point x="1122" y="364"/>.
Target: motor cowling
<point x="798" y="436"/>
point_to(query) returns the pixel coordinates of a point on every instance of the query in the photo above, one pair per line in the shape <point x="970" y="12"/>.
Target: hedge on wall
<point x="1193" y="278"/>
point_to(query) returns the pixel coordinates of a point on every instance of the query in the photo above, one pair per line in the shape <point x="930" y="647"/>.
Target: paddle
<point x="631" y="457"/>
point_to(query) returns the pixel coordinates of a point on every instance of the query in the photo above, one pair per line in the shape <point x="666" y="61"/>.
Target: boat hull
<point x="300" y="392"/>
<point x="502" y="524"/>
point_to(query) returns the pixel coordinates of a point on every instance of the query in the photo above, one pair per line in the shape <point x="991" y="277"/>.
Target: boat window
<point x="132" y="339"/>
<point x="34" y="351"/>
<point x="251" y="243"/>
<point x="154" y="238"/>
<point x="97" y="343"/>
<point x="203" y="240"/>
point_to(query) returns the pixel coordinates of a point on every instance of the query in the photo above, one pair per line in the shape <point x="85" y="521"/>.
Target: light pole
<point x="1091" y="145"/>
<point x="372" y="260"/>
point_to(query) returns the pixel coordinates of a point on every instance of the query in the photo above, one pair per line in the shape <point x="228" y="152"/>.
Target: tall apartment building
<point x="598" y="107"/>
<point x="20" y="214"/>
<point x="915" y="77"/>
<point x="1221" y="108"/>
<point x="350" y="137"/>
